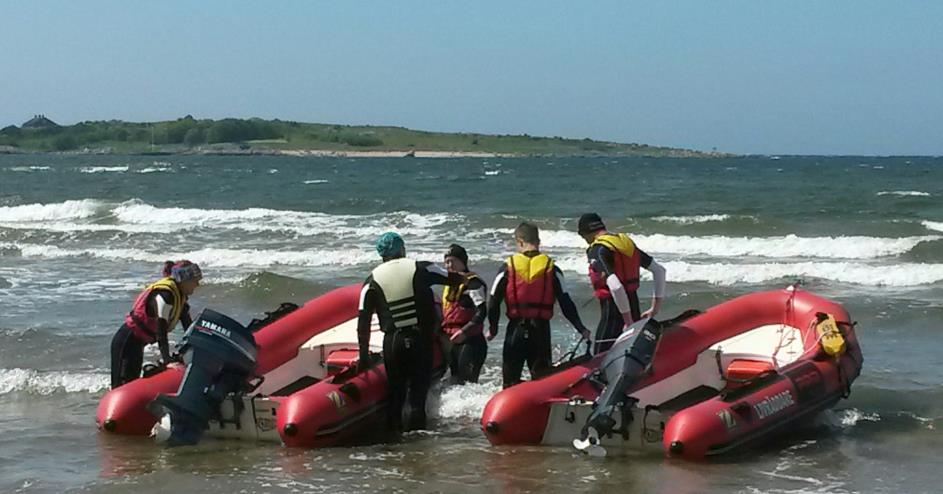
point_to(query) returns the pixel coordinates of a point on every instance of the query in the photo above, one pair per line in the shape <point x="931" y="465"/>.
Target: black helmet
<point x="589" y="223"/>
<point x="458" y="252"/>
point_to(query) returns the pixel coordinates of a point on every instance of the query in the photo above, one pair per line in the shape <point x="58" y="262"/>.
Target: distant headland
<point x="189" y="135"/>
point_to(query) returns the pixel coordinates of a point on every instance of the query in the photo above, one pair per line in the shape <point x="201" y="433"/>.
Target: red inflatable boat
<point x="311" y="394"/>
<point x="731" y="375"/>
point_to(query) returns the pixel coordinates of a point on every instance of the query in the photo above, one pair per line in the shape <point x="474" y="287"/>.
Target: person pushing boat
<point x="399" y="292"/>
<point x="155" y="313"/>
<point x="614" y="262"/>
<point x="529" y="283"/>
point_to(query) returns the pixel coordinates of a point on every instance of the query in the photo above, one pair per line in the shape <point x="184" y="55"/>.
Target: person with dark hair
<point x="399" y="292"/>
<point x="529" y="283"/>
<point x="614" y="262"/>
<point x="154" y="314"/>
<point x="464" y="309"/>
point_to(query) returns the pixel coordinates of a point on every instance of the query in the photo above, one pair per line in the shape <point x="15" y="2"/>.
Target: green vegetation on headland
<point x="188" y="135"/>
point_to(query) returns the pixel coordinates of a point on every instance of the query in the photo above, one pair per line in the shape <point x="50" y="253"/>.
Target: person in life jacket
<point x="529" y="283"/>
<point x="399" y="292"/>
<point x="614" y="263"/>
<point x="155" y="313"/>
<point x="464" y="309"/>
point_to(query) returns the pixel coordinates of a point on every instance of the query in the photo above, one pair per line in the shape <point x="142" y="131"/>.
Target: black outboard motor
<point x="624" y="365"/>
<point x="220" y="355"/>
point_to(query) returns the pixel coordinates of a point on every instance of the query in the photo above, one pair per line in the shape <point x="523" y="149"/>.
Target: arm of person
<point x="185" y="317"/>
<point x="566" y="303"/>
<point x="660" y="278"/>
<point x="495" y="300"/>
<point x="162" y="342"/>
<point x="437" y="275"/>
<point x="366" y="309"/>
<point x="478" y="293"/>
<point x="164" y="309"/>
<point x="603" y="261"/>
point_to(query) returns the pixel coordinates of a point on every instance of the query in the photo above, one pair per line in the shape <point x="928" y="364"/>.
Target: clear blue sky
<point x="816" y="77"/>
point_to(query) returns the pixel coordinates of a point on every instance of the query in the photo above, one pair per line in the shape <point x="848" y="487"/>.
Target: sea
<point x="81" y="234"/>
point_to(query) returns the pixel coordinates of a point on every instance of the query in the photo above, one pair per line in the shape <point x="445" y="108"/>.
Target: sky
<point x="812" y="77"/>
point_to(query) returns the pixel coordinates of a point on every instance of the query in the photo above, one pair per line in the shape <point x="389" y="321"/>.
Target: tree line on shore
<point x="188" y="133"/>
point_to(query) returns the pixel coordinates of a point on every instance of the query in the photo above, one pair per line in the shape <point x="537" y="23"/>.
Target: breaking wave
<point x="841" y="247"/>
<point x="49" y="382"/>
<point x="904" y="193"/>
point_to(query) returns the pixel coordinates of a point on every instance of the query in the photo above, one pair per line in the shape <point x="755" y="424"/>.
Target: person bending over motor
<point x="529" y="284"/>
<point x="464" y="309"/>
<point x="155" y="313"/>
<point x="399" y="292"/>
<point x="614" y="262"/>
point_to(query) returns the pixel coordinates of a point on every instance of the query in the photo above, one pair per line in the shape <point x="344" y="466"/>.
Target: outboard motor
<point x="220" y="355"/>
<point x="624" y="365"/>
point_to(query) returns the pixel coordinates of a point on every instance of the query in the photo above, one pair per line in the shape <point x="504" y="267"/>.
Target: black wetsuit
<point x="467" y="357"/>
<point x="528" y="340"/>
<point x="127" y="351"/>
<point x="602" y="261"/>
<point x="407" y="350"/>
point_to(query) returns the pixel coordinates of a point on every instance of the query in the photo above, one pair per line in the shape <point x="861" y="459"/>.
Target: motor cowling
<point x="623" y="367"/>
<point x="220" y="358"/>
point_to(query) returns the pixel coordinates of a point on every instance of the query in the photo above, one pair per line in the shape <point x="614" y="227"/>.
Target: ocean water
<point x="80" y="234"/>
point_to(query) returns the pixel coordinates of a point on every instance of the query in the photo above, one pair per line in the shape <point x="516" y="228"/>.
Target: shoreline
<point x="325" y="153"/>
<point x="343" y="153"/>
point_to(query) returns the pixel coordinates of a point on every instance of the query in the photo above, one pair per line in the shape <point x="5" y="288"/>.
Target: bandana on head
<point x="185" y="271"/>
<point x="390" y="244"/>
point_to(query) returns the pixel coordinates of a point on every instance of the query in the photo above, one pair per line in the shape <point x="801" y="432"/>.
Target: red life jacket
<point x="627" y="261"/>
<point x="529" y="291"/>
<point x="454" y="314"/>
<point x="144" y="326"/>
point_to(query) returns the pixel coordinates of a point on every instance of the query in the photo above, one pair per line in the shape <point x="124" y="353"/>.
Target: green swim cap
<point x="390" y="244"/>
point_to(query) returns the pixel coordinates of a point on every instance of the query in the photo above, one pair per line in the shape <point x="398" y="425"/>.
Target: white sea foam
<point x="66" y="226"/>
<point x="51" y="212"/>
<point x="904" y="193"/>
<point x="933" y="225"/>
<point x="788" y="246"/>
<point x="784" y="476"/>
<point x="727" y="274"/>
<point x="840" y="247"/>
<point x="272" y="220"/>
<point x="265" y="258"/>
<point x="689" y="220"/>
<point x="466" y="401"/>
<point x="896" y="275"/>
<point x="851" y="416"/>
<point x="559" y="238"/>
<point x="104" y="169"/>
<point x="30" y="168"/>
<point x="217" y="257"/>
<point x="56" y="252"/>
<point x="49" y="382"/>
<point x="156" y="169"/>
<point x="723" y="273"/>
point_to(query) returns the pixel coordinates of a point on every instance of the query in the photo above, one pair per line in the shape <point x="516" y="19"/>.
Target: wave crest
<point x="841" y="247"/>
<point x="76" y="209"/>
<point x="49" y="382"/>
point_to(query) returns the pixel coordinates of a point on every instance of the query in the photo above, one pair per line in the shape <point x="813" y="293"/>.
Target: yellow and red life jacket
<point x="144" y="326"/>
<point x="529" y="292"/>
<point x="454" y="314"/>
<point x="627" y="261"/>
